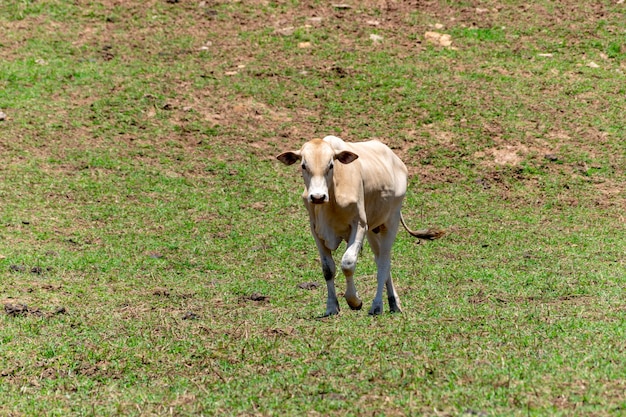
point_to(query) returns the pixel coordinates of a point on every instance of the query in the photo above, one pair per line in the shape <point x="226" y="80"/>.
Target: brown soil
<point x="265" y="129"/>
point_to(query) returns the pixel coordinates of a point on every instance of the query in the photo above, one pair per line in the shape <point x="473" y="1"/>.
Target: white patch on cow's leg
<point x="392" y="297"/>
<point x="348" y="266"/>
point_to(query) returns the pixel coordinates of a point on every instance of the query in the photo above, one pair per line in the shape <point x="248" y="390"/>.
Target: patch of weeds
<point x="480" y="35"/>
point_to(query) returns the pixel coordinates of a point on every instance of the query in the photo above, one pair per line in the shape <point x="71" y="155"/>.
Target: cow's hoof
<point x="355" y="306"/>
<point x="376" y="310"/>
<point x="394" y="305"/>
<point x="331" y="312"/>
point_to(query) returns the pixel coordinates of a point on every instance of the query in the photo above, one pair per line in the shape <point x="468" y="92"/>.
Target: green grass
<point x="141" y="207"/>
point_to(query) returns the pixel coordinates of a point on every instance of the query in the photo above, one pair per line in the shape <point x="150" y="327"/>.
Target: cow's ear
<point x="289" y="158"/>
<point x="345" y="157"/>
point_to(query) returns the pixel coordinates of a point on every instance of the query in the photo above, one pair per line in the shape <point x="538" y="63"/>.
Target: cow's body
<point x="365" y="191"/>
<point x="353" y="191"/>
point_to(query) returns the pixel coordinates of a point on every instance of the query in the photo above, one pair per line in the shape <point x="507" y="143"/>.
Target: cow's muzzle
<point x="318" y="198"/>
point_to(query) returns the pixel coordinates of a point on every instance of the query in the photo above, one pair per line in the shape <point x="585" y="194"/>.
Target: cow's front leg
<point x="348" y="264"/>
<point x="328" y="268"/>
<point x="332" y="304"/>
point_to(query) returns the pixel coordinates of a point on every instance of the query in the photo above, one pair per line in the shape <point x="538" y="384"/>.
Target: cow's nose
<point x="318" y="198"/>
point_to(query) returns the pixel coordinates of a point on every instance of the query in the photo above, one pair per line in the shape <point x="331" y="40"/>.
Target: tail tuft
<point x="431" y="233"/>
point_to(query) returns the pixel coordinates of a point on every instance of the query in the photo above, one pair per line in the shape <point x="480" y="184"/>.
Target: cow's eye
<point x="303" y="166"/>
<point x="330" y="166"/>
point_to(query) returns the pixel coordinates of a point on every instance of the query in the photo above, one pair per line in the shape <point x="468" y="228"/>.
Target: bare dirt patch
<point x="505" y="155"/>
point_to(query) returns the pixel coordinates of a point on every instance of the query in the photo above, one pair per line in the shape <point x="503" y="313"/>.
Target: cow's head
<point x="318" y="159"/>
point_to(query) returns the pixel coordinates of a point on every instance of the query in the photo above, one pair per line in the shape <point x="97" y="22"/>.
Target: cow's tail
<point x="426" y="234"/>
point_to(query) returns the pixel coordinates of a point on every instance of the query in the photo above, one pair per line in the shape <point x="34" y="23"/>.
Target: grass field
<point x="152" y="248"/>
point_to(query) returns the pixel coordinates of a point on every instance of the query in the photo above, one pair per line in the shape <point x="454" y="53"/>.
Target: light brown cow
<point x="354" y="190"/>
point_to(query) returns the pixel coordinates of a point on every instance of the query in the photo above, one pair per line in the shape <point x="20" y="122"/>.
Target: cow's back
<point x="380" y="171"/>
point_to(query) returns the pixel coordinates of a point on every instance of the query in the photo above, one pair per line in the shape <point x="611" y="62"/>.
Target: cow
<point x="353" y="191"/>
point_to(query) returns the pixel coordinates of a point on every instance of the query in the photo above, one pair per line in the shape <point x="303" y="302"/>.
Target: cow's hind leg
<point x="381" y="244"/>
<point x="382" y="272"/>
<point x="392" y="297"/>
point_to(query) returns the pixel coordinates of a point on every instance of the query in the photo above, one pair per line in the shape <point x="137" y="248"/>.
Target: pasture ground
<point x="152" y="249"/>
